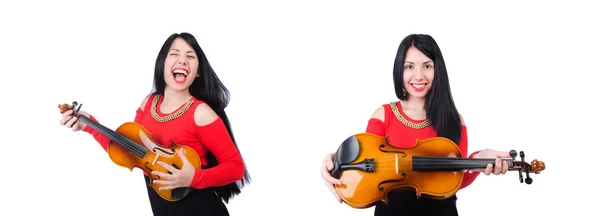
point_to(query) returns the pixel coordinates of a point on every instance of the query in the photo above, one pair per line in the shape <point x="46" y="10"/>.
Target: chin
<point x="419" y="95"/>
<point x="178" y="87"/>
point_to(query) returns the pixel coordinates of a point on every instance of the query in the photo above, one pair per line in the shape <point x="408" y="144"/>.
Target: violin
<point x="131" y="146"/>
<point x="369" y="168"/>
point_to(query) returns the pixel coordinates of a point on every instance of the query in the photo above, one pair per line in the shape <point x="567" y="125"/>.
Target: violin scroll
<point x="65" y="107"/>
<point x="536" y="166"/>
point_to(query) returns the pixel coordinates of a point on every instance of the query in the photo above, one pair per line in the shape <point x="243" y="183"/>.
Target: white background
<point x="303" y="76"/>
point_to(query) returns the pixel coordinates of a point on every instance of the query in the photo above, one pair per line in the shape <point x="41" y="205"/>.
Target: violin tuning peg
<point x="522" y="155"/>
<point x="75" y="108"/>
<point x="528" y="180"/>
<point x="78" y="108"/>
<point x="513" y="154"/>
<point x="520" y="176"/>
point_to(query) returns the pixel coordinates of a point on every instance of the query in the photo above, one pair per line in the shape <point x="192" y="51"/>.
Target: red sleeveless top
<point x="183" y="130"/>
<point x="403" y="136"/>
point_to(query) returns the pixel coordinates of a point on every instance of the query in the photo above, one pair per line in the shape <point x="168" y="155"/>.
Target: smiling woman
<point x="425" y="110"/>
<point x="179" y="70"/>
<point x="187" y="107"/>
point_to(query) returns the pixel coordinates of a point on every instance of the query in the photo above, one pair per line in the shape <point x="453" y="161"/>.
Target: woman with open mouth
<point x="187" y="107"/>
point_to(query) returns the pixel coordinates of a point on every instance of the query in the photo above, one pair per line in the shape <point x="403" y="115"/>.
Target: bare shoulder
<point x="143" y="104"/>
<point x="204" y="115"/>
<point x="462" y="121"/>
<point x="379" y="114"/>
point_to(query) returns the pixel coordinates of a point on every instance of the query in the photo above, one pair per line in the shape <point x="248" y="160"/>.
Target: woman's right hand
<point x="330" y="180"/>
<point x="67" y="120"/>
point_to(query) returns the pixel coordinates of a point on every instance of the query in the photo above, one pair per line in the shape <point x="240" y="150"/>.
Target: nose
<point x="182" y="60"/>
<point x="419" y="74"/>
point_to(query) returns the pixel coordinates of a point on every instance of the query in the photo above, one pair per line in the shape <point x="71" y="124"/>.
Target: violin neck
<point x="426" y="163"/>
<point x="116" y="137"/>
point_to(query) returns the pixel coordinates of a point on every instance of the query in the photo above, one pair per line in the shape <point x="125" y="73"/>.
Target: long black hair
<point x="208" y="88"/>
<point x="440" y="107"/>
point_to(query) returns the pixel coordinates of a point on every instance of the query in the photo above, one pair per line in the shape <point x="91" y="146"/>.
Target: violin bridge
<point x="396" y="163"/>
<point x="155" y="158"/>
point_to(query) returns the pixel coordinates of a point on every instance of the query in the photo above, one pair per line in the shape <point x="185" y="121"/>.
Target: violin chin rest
<point x="346" y="153"/>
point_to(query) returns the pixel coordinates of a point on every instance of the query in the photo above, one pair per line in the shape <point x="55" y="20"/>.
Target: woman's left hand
<point x="500" y="167"/>
<point x="177" y="178"/>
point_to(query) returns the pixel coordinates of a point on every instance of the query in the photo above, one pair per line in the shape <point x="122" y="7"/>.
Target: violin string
<point x="116" y="137"/>
<point x="434" y="158"/>
<point x="392" y="168"/>
<point x="457" y="169"/>
<point x="436" y="163"/>
<point x="441" y="160"/>
<point x="478" y="165"/>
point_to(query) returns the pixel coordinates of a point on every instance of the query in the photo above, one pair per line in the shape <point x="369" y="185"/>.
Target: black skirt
<point x="405" y="203"/>
<point x="198" y="202"/>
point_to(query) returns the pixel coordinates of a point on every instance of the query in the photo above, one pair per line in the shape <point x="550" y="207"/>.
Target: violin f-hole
<point x="151" y="170"/>
<point x="163" y="151"/>
<point x="382" y="146"/>
<point x="391" y="181"/>
<point x="176" y="167"/>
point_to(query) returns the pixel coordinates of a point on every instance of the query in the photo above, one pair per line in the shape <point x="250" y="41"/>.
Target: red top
<point x="183" y="130"/>
<point x="403" y="136"/>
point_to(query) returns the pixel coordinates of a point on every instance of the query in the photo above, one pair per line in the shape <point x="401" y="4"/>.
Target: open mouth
<point x="180" y="75"/>
<point x="418" y="86"/>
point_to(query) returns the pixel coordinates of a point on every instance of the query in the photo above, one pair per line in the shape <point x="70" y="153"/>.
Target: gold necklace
<point x="405" y="121"/>
<point x="170" y="116"/>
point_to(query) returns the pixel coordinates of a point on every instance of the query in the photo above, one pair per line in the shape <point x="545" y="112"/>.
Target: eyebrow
<point x="191" y="51"/>
<point x="414" y="63"/>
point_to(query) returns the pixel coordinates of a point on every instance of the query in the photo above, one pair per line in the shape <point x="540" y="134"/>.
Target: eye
<point x="408" y="67"/>
<point x="173" y="54"/>
<point x="428" y="66"/>
<point x="192" y="57"/>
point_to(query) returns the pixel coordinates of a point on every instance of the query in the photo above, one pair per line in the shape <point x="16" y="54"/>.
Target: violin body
<point x="131" y="146"/>
<point x="169" y="155"/>
<point x="369" y="168"/>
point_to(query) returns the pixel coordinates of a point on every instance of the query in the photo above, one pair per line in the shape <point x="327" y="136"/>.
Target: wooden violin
<point x="131" y="146"/>
<point x="369" y="168"/>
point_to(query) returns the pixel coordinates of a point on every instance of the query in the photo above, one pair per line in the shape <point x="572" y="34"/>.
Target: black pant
<point x="405" y="203"/>
<point x="198" y="202"/>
